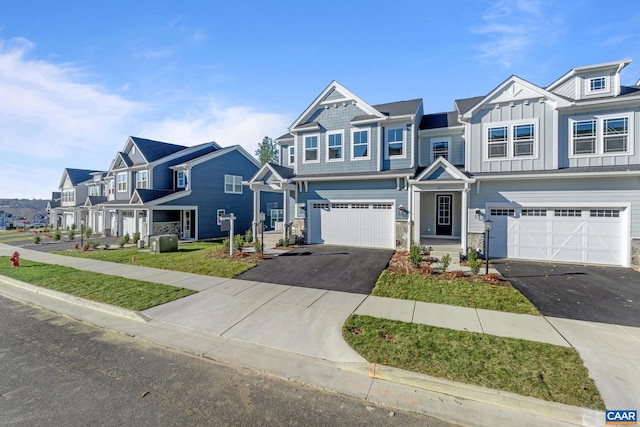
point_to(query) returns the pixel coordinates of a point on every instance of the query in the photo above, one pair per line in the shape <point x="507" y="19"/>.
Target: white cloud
<point x="52" y="118"/>
<point x="513" y="28"/>
<point x="227" y="125"/>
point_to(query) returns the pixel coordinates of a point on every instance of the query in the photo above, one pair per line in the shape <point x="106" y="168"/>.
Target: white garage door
<point x="128" y="224"/>
<point x="369" y="224"/>
<point x="592" y="236"/>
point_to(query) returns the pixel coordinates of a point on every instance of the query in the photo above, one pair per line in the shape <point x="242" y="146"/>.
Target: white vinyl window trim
<point x="122" y="181"/>
<point x="335" y="146"/>
<point x="440" y="148"/>
<point x="181" y="179"/>
<point x="142" y="179"/>
<point x="601" y="135"/>
<point x="597" y="85"/>
<point x="233" y="184"/>
<point x="511" y="140"/>
<point x="292" y="154"/>
<point x="360" y="144"/>
<point x="311" y="148"/>
<point x="396" y="143"/>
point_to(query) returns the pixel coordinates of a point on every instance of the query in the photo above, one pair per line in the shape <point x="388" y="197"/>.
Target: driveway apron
<point x="335" y="268"/>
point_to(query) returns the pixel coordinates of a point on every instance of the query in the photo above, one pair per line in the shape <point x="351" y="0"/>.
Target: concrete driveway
<point x="579" y="292"/>
<point x="334" y="268"/>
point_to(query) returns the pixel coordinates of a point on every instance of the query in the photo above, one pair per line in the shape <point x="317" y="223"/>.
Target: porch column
<point x="285" y="210"/>
<point x="464" y="226"/>
<point x="256" y="212"/>
<point x="415" y="194"/>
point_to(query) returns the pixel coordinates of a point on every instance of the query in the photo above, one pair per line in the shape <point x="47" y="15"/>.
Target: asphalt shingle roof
<point x="439" y="120"/>
<point x="283" y="171"/>
<point x="78" y="176"/>
<point x="154" y="150"/>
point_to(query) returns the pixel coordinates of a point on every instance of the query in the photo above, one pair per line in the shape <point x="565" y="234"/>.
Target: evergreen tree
<point x="267" y="151"/>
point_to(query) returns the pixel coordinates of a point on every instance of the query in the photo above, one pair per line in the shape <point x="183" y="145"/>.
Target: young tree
<point x="267" y="151"/>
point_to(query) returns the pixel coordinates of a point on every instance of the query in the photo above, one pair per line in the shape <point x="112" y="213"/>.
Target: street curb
<point x="106" y="308"/>
<point x="443" y="399"/>
<point x="546" y="409"/>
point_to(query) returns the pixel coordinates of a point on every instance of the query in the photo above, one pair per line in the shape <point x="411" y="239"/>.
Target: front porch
<point x="440" y="247"/>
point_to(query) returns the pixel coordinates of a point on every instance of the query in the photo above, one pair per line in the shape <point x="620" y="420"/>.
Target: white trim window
<point x="395" y="142"/>
<point x="311" y="149"/>
<point x="122" y="181"/>
<point x="360" y="144"/>
<point x="596" y="85"/>
<point x="219" y="214"/>
<point x="233" y="184"/>
<point x="292" y="154"/>
<point x="68" y="196"/>
<point x="94" y="190"/>
<point x="511" y="140"/>
<point x="181" y="179"/>
<point x="440" y="148"/>
<point x="142" y="179"/>
<point x="600" y="135"/>
<point x="335" y="146"/>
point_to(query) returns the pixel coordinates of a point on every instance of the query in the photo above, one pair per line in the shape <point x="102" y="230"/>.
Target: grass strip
<point x="131" y="294"/>
<point x="197" y="258"/>
<point x="528" y="368"/>
<point x="458" y="291"/>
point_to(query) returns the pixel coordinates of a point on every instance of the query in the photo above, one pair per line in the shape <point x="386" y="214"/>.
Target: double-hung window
<point x="440" y="148"/>
<point x="122" y="181"/>
<point x="497" y="142"/>
<point x="233" y="184"/>
<point x="292" y="155"/>
<point x="360" y="144"/>
<point x="600" y="135"/>
<point x="311" y="149"/>
<point x="395" y="140"/>
<point x="142" y="179"/>
<point x="181" y="179"/>
<point x="511" y="140"/>
<point x="334" y="146"/>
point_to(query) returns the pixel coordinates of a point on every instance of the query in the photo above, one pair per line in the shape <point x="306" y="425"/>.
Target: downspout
<point x="410" y="214"/>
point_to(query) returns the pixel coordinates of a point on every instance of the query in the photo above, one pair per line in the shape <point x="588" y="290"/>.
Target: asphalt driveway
<point x="580" y="292"/>
<point x="334" y="268"/>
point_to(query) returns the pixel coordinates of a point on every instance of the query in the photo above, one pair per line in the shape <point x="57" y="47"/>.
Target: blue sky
<point x="78" y="77"/>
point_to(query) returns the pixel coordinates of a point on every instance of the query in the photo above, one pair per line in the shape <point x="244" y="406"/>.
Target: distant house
<point x="154" y="187"/>
<point x="555" y="169"/>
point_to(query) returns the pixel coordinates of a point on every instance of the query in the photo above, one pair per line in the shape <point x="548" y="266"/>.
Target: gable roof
<point x="281" y="173"/>
<point x="618" y="65"/>
<point x="399" y="108"/>
<point x="145" y="195"/>
<point x="153" y="150"/>
<point x="78" y="176"/>
<point x="465" y="104"/>
<point x="512" y="89"/>
<point x="442" y="170"/>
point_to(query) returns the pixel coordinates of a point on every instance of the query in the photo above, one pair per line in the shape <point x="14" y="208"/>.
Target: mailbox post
<point x="226" y="224"/>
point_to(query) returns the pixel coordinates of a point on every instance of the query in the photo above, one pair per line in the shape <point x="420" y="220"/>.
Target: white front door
<point x="367" y="224"/>
<point x="186" y="224"/>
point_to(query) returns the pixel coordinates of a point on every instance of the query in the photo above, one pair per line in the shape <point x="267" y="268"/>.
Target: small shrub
<point x="57" y="235"/>
<point x="126" y="238"/>
<point x="71" y="234"/>
<point x="238" y="242"/>
<point x="248" y="236"/>
<point x="88" y="232"/>
<point x="415" y="255"/>
<point x="106" y="246"/>
<point x="473" y="261"/>
<point x="226" y="243"/>
<point x="444" y="262"/>
<point x="122" y="242"/>
<point x="136" y="237"/>
<point x="73" y="226"/>
<point x="92" y="244"/>
<point x="285" y="242"/>
<point x="257" y="246"/>
<point x="37" y="239"/>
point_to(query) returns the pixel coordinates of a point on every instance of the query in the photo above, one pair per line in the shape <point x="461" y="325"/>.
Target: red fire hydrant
<point x="15" y="259"/>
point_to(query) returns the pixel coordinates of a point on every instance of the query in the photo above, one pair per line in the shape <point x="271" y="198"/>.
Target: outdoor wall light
<point x="478" y="214"/>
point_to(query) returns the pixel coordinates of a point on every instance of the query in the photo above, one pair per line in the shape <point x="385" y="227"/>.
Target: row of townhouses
<point x="154" y="188"/>
<point x="554" y="171"/>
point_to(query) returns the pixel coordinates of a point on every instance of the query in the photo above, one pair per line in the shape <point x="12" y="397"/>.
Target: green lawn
<point x="459" y="291"/>
<point x="539" y="370"/>
<point x="199" y="258"/>
<point x="127" y="293"/>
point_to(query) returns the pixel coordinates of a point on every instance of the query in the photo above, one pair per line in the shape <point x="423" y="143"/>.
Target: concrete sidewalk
<point x="295" y="333"/>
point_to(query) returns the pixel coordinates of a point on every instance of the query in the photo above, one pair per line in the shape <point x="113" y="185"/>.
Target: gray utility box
<point x="163" y="243"/>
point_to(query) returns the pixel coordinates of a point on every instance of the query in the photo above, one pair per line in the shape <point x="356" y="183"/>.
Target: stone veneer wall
<point x="476" y="241"/>
<point x="635" y="254"/>
<point x="402" y="235"/>
<point x="172" y="227"/>
<point x="298" y="229"/>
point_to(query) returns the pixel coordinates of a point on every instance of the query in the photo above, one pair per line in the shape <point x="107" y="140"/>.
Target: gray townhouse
<point x="555" y="170"/>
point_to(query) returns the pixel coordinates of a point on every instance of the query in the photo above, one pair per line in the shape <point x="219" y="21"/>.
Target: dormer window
<point x="181" y="179"/>
<point x="597" y="84"/>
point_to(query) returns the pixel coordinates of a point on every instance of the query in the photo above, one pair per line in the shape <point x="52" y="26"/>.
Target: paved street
<point x="57" y="371"/>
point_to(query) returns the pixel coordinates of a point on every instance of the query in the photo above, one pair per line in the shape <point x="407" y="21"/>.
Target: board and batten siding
<point x="541" y="113"/>
<point x="358" y="190"/>
<point x="564" y="138"/>
<point x="580" y="193"/>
